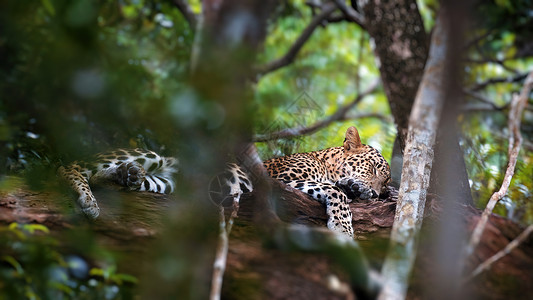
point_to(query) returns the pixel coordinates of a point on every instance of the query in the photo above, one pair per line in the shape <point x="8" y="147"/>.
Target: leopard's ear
<point x="352" y="142"/>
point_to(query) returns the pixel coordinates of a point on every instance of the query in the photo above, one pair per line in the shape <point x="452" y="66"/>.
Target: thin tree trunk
<point x="213" y="115"/>
<point x="449" y="180"/>
<point x="418" y="159"/>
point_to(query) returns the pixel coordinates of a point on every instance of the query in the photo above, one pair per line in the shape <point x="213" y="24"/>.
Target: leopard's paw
<point x="131" y="174"/>
<point x="356" y="189"/>
<point x="89" y="206"/>
<point x="338" y="226"/>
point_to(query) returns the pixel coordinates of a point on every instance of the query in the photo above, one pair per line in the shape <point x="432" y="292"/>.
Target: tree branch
<point x="350" y="13"/>
<point x="417" y="163"/>
<point x="509" y="79"/>
<point x="221" y="256"/>
<point x="482" y="99"/>
<point x="500" y="62"/>
<point x="476" y="40"/>
<point x="337" y="18"/>
<point x="186" y="11"/>
<point x="518" y="104"/>
<point x="339" y="115"/>
<point x="289" y="57"/>
<point x="476" y="108"/>
<point x="505" y="251"/>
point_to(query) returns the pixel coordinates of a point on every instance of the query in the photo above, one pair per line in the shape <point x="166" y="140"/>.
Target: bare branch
<point x="482" y="99"/>
<point x="339" y="115"/>
<point x="500" y="62"/>
<point x="505" y="251"/>
<point x="476" y="108"/>
<point x="350" y="13"/>
<point x="337" y="18"/>
<point x="518" y="104"/>
<point x="221" y="256"/>
<point x="476" y="40"/>
<point x="289" y="57"/>
<point x="186" y="11"/>
<point x="510" y="79"/>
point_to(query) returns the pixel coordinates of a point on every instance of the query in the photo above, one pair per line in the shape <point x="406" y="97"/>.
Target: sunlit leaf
<point x="49" y="7"/>
<point x="96" y="272"/>
<point x="31" y="228"/>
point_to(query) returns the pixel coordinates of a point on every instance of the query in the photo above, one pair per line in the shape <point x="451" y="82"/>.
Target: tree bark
<point x="401" y="48"/>
<point x="416" y="169"/>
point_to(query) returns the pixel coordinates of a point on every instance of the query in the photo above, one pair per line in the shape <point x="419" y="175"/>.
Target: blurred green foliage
<point x="504" y="52"/>
<point x="32" y="267"/>
<point x="79" y="77"/>
<point x="82" y="76"/>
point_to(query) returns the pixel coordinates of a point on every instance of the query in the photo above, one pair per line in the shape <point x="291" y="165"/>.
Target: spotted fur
<point x="137" y="169"/>
<point x="333" y="176"/>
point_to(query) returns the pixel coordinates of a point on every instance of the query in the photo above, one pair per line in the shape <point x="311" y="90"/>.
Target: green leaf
<point x="31" y="228"/>
<point x="49" y="7"/>
<point x="14" y="228"/>
<point x="130" y="11"/>
<point x="14" y="263"/>
<point x="96" y="272"/>
<point x="109" y="272"/>
<point x="125" y="278"/>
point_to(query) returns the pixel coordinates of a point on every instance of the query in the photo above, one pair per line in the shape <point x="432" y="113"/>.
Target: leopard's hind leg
<point x="337" y="208"/>
<point x="79" y="182"/>
<point x="136" y="169"/>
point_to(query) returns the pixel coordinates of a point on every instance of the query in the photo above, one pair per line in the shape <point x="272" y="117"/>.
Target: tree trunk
<point x="401" y="48"/>
<point x="232" y="32"/>
<point x="416" y="169"/>
<point x="218" y="97"/>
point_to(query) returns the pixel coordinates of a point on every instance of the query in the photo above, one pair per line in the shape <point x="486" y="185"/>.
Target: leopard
<point x="333" y="176"/>
<point x="136" y="169"/>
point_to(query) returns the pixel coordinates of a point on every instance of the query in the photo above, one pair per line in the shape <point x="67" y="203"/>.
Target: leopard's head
<point x="365" y="162"/>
